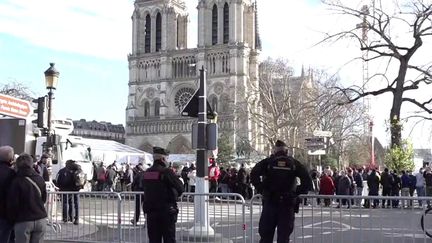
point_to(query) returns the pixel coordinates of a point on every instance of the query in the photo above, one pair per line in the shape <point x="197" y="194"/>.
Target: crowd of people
<point x="361" y="182"/>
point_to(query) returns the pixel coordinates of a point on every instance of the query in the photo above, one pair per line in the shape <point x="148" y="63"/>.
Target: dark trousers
<point x="138" y="205"/>
<point x="386" y="192"/>
<point x="161" y="224"/>
<point x="395" y="203"/>
<point x="5" y="230"/>
<point x="67" y="206"/>
<point x="276" y="214"/>
<point x="213" y="186"/>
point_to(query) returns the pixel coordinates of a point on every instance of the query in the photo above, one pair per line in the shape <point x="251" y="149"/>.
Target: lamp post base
<point x="201" y="235"/>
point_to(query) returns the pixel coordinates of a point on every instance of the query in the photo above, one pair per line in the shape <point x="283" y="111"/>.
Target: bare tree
<point x="391" y="46"/>
<point x="17" y="90"/>
<point x="281" y="99"/>
<point x="293" y="107"/>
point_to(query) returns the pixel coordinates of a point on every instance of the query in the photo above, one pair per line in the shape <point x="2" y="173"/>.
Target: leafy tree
<point x="225" y="149"/>
<point x="391" y="33"/>
<point x="400" y="157"/>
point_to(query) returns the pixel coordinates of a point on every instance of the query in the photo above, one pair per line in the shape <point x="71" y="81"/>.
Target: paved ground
<point x="99" y="223"/>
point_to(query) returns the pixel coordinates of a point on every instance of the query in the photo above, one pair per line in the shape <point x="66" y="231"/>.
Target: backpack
<point x="280" y="178"/>
<point x="65" y="178"/>
<point x="80" y="178"/>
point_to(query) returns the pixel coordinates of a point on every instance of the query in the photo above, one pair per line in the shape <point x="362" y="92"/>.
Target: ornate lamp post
<point x="51" y="80"/>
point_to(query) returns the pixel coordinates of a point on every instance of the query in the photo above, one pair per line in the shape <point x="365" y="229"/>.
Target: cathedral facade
<point x="164" y="72"/>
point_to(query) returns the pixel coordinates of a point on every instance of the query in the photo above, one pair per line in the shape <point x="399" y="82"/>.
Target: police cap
<point x="161" y="151"/>
<point x="280" y="143"/>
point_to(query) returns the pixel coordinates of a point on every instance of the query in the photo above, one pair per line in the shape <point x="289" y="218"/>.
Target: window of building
<point x="178" y="32"/>
<point x="157" y="108"/>
<point x="158" y="32"/>
<point x="146" y="109"/>
<point x="214" y="25"/>
<point x="226" y="23"/>
<point x="147" y="33"/>
<point x="182" y="97"/>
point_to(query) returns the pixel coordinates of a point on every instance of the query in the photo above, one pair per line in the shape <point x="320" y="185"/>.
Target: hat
<point x="159" y="150"/>
<point x="45" y="156"/>
<point x="279" y="143"/>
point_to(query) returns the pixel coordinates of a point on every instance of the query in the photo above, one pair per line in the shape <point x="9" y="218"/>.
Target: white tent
<point x="109" y="151"/>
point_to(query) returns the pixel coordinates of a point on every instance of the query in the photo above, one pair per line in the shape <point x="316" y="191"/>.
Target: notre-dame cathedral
<point x="163" y="71"/>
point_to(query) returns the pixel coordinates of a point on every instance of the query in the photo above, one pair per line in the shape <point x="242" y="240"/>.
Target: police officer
<point x="161" y="189"/>
<point x="275" y="178"/>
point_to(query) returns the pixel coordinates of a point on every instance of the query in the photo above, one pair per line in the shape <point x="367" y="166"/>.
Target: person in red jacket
<point x="213" y="176"/>
<point x="327" y="187"/>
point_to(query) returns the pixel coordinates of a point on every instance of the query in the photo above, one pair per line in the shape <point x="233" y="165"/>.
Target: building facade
<point x="99" y="130"/>
<point x="163" y="72"/>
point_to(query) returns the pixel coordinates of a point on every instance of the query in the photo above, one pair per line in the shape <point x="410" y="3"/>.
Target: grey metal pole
<point x="48" y="143"/>
<point x="201" y="224"/>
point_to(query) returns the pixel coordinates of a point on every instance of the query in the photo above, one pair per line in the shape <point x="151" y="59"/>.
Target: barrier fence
<point x="110" y="217"/>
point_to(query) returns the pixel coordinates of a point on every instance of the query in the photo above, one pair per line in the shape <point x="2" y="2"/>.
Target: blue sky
<point x="89" y="41"/>
<point x="89" y="45"/>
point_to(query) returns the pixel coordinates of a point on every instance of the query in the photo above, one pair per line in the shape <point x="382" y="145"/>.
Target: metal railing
<point x="108" y="217"/>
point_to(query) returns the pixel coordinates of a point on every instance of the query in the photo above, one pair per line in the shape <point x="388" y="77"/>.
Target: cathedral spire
<point x="257" y="35"/>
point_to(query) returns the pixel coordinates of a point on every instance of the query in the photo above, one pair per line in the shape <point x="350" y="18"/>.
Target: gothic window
<point x="225" y="23"/>
<point x="158" y="31"/>
<point x="146" y="109"/>
<point x="157" y="108"/>
<point x="147" y="33"/>
<point x="214" y="104"/>
<point x="214" y="25"/>
<point x="178" y="32"/>
<point x="182" y="97"/>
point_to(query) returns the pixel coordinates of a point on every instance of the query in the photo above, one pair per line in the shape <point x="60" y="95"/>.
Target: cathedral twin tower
<point x="163" y="72"/>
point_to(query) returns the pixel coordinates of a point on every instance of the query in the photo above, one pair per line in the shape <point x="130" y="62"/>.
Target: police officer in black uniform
<point x="161" y="189"/>
<point x="275" y="178"/>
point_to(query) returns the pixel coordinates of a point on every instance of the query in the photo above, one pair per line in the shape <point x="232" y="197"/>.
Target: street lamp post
<point x="51" y="80"/>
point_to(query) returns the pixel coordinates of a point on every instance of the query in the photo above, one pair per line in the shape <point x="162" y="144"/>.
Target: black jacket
<point x="6" y="176"/>
<point x="260" y="170"/>
<point x="161" y="187"/>
<point x="68" y="181"/>
<point x="24" y="203"/>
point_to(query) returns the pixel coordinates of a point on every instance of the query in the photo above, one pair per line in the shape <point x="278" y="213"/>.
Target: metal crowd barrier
<point x="399" y="222"/>
<point x="106" y="217"/>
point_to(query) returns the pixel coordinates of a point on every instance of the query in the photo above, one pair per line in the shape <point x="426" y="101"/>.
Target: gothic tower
<point x="163" y="72"/>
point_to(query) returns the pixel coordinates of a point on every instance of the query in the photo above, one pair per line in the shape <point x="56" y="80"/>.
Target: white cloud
<point x="96" y="28"/>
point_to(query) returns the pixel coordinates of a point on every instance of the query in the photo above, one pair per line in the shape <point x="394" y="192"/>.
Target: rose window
<point x="182" y="97"/>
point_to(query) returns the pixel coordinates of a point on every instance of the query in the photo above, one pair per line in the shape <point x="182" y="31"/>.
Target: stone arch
<point x="146" y="147"/>
<point x="180" y="145"/>
<point x="146" y="109"/>
<point x="155" y="11"/>
<point x="214" y="102"/>
<point x="155" y="107"/>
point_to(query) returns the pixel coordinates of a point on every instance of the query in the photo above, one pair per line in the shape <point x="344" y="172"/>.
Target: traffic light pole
<point x="201" y="226"/>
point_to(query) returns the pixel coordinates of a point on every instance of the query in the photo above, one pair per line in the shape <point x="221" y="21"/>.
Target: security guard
<point x="275" y="178"/>
<point x="161" y="189"/>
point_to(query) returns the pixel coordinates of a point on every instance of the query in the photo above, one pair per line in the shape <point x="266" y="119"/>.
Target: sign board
<point x="315" y="142"/>
<point x="191" y="108"/>
<point x="14" y="107"/>
<point x="318" y="133"/>
<point x="317" y="152"/>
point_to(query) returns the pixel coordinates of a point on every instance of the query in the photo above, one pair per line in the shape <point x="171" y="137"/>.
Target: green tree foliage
<point x="400" y="157"/>
<point x="225" y="149"/>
